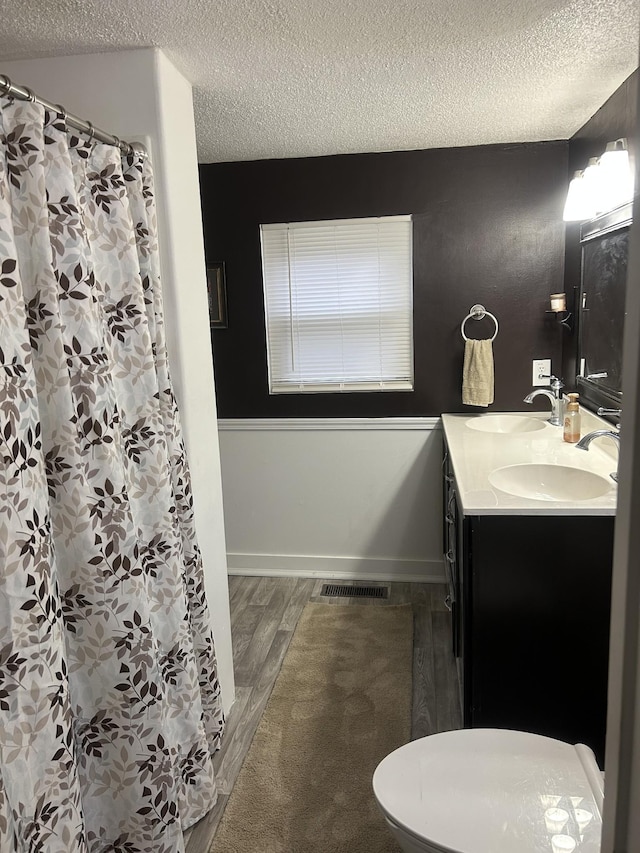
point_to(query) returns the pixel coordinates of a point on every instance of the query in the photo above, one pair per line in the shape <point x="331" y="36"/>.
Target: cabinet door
<point x="540" y="599"/>
<point x="449" y="537"/>
<point x="451" y="565"/>
<point x="448" y="486"/>
<point x="463" y="585"/>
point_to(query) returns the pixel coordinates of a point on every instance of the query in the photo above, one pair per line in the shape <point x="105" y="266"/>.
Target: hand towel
<point x="477" y="373"/>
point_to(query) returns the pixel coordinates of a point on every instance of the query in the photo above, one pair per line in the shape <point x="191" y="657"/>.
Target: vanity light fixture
<point x="594" y="184"/>
<point x="606" y="183"/>
<point x="616" y="176"/>
<point x="579" y="205"/>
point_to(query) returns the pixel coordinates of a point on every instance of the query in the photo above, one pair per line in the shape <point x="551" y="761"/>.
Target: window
<point x="338" y="305"/>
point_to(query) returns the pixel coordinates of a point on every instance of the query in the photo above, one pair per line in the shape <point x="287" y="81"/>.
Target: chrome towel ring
<point x="477" y="312"/>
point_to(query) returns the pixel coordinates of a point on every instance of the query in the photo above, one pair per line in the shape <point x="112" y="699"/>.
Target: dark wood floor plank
<point x="423" y="713"/>
<point x="247" y="665"/>
<point x="317" y="588"/>
<point x="242" y="597"/>
<point x="437" y="593"/>
<point x="446" y="677"/>
<point x="423" y="707"/>
<point x="235" y="586"/>
<point x="400" y="593"/>
<point x="264" y="589"/>
<point x="299" y="597"/>
<point x="243" y="628"/>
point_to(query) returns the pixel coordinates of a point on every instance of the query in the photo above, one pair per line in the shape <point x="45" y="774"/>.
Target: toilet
<point x="491" y="791"/>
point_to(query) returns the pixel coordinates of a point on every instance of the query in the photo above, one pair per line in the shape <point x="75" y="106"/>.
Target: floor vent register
<point x="335" y="589"/>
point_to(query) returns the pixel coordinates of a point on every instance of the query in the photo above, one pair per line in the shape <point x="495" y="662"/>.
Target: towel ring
<point x="477" y="312"/>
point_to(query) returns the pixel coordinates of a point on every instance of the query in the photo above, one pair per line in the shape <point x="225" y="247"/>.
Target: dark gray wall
<point x="487" y="228"/>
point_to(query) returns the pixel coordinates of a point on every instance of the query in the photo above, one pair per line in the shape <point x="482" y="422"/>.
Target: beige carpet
<point x="341" y="703"/>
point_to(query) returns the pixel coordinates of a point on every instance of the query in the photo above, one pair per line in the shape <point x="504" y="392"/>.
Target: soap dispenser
<point x="571" y="430"/>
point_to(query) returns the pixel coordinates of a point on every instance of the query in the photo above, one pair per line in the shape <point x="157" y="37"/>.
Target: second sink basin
<point x="506" y="424"/>
<point x="549" y="482"/>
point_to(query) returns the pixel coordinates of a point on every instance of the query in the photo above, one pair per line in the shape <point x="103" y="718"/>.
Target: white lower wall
<point x="355" y="498"/>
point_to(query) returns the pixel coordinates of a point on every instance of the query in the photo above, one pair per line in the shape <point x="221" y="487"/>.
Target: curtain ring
<point x="31" y="97"/>
<point x="91" y="131"/>
<point x="62" y="112"/>
<point x="5" y="82"/>
<point x="117" y="142"/>
<point x="138" y="149"/>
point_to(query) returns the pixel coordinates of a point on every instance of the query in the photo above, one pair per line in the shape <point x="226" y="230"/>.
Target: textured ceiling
<point x="298" y="78"/>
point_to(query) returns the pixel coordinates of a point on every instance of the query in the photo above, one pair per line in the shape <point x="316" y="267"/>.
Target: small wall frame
<point x="217" y="293"/>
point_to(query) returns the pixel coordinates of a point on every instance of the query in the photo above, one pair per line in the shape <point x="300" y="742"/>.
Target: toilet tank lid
<point x="479" y="790"/>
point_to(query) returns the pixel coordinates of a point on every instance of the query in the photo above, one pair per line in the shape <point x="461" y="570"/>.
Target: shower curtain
<point x="109" y="701"/>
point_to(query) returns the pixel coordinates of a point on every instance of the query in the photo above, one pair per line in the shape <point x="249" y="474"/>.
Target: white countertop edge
<point x="551" y="509"/>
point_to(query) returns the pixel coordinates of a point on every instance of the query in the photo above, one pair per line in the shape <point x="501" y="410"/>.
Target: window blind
<point x="339" y="304"/>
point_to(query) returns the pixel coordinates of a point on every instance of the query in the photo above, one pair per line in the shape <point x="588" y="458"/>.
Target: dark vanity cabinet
<point x="530" y="600"/>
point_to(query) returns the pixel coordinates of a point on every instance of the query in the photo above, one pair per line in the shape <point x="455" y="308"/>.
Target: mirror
<point x="605" y="250"/>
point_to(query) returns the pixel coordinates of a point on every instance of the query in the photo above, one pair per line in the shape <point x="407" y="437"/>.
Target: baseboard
<point x="339" y="568"/>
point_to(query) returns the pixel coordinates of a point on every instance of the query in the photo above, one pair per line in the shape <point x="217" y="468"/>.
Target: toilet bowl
<point x="491" y="791"/>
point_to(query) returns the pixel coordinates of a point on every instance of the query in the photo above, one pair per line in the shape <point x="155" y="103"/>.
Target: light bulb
<point x="594" y="186"/>
<point x="579" y="205"/>
<point x="616" y="176"/>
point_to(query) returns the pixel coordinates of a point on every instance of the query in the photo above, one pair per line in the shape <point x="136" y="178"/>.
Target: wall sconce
<point x="606" y="183"/>
<point x="559" y="308"/>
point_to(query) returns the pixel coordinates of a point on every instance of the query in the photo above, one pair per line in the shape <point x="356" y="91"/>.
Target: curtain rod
<point x="12" y="90"/>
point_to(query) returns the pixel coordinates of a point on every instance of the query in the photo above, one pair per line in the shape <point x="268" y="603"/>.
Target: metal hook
<point x="91" y="131"/>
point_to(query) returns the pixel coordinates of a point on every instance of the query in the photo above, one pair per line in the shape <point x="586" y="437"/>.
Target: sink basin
<point x="507" y="424"/>
<point x="549" y="482"/>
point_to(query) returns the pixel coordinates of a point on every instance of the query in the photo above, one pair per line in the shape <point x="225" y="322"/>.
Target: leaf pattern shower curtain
<point x="109" y="701"/>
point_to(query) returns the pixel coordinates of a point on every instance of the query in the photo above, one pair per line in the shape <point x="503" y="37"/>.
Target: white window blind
<point x="339" y="304"/>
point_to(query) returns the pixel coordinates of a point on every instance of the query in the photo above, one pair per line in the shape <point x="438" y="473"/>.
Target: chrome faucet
<point x="554" y="394"/>
<point x="584" y="443"/>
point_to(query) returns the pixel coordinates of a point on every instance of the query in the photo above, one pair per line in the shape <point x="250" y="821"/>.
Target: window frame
<point x="278" y="385"/>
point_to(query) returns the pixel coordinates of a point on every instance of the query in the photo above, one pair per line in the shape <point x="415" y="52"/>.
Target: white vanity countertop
<point x="475" y="454"/>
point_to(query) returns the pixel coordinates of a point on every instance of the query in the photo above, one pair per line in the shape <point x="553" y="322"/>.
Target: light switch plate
<point x="541" y="365"/>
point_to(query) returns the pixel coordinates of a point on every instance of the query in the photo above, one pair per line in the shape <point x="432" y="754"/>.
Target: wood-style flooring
<point x="264" y="614"/>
